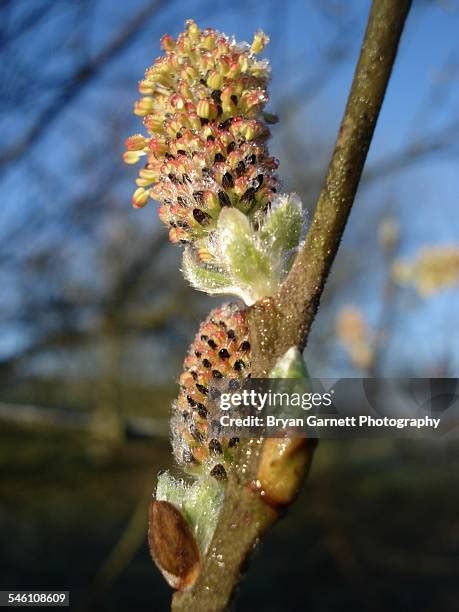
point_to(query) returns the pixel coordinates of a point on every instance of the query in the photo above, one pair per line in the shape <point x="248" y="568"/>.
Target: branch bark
<point x="277" y="324"/>
<point x="286" y="320"/>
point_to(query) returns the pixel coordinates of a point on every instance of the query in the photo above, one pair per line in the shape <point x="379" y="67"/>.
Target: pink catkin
<point x="221" y="349"/>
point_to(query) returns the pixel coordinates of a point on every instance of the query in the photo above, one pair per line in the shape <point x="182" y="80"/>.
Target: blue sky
<point x="423" y="96"/>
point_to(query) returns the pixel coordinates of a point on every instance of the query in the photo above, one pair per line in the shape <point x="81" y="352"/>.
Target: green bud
<point x="243" y="261"/>
<point x="284" y="462"/>
<point x="199" y="502"/>
<point x="249" y="265"/>
<point x="204" y="277"/>
<point x="282" y="228"/>
<point x="290" y="365"/>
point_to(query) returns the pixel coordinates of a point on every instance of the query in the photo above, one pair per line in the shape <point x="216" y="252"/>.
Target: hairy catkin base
<point x="221" y="349"/>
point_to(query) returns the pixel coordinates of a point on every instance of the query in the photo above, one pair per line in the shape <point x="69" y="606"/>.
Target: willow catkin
<point x="205" y="147"/>
<point x="221" y="349"/>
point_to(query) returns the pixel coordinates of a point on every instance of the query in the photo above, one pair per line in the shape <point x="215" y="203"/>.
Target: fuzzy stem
<point x="279" y="323"/>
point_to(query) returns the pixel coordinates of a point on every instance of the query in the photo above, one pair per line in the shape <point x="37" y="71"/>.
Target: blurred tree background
<point x="95" y="318"/>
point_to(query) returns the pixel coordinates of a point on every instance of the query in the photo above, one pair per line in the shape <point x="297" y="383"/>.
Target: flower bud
<point x="203" y="109"/>
<point x="132" y="157"/>
<point x="284" y="462"/>
<point x="215" y="80"/>
<point x="140" y="198"/>
<point x="282" y="468"/>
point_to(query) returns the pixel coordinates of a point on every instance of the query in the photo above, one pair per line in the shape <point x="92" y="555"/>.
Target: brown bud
<point x="283" y="464"/>
<point x="172" y="545"/>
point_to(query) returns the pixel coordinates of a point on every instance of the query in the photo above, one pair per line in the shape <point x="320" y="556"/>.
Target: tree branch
<point x="84" y="75"/>
<point x="279" y="323"/>
<point x="286" y="320"/>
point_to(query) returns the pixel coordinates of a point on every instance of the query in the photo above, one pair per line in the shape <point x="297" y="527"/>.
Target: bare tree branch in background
<point x="84" y="75"/>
